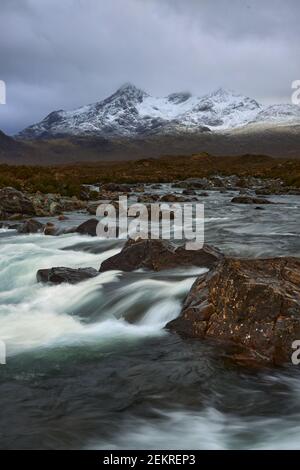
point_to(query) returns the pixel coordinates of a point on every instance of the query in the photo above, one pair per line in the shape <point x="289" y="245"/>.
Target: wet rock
<point x="14" y="217"/>
<point x="115" y="187"/>
<point x="55" y="208"/>
<point x="173" y="198"/>
<point x="148" y="198"/>
<point x="293" y="191"/>
<point x="54" y="204"/>
<point x="13" y="201"/>
<point x="138" y="188"/>
<point x="62" y="217"/>
<point x="250" y="200"/>
<point x="194" y="183"/>
<point x="87" y="192"/>
<point x="88" y="228"/>
<point x="50" y="229"/>
<point x="93" y="205"/>
<point x="252" y="303"/>
<point x="31" y="226"/>
<point x="69" y="204"/>
<point x="157" y="255"/>
<point x="69" y="275"/>
<point x="245" y="192"/>
<point x="189" y="192"/>
<point x="10" y="226"/>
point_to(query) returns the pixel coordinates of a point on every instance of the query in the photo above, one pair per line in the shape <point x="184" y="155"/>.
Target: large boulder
<point x="157" y="255"/>
<point x="88" y="228"/>
<point x="252" y="303"/>
<point x="69" y="275"/>
<point x="13" y="201"/>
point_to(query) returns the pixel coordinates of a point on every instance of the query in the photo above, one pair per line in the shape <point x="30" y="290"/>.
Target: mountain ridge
<point x="131" y="112"/>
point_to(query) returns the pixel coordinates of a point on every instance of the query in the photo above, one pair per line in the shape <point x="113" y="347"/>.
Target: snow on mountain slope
<point x="277" y="113"/>
<point x="131" y="112"/>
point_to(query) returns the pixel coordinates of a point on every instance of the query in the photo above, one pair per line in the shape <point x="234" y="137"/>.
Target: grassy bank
<point x="66" y="180"/>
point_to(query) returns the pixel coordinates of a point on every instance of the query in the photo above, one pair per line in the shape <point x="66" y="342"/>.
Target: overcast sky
<point x="58" y="54"/>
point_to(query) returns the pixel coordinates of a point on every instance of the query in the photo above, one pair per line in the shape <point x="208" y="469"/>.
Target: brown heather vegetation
<point x="66" y="179"/>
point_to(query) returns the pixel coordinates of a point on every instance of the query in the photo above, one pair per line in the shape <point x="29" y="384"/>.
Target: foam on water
<point x="208" y="430"/>
<point x="33" y="315"/>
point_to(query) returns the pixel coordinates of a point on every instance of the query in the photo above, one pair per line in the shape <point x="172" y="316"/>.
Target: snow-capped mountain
<point x="131" y="112"/>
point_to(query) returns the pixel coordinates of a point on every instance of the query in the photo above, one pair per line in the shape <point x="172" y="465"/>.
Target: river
<point x="90" y="366"/>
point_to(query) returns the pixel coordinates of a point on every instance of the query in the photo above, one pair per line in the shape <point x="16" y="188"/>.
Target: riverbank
<point x="67" y="180"/>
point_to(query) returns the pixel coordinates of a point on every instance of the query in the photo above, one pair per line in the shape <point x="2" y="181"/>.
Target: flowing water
<point x="91" y="366"/>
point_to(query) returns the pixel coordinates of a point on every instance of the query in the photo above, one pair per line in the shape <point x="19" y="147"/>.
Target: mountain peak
<point x="223" y="93"/>
<point x="130" y="89"/>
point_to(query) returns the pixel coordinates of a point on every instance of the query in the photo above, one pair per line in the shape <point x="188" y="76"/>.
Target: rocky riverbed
<point x="142" y="344"/>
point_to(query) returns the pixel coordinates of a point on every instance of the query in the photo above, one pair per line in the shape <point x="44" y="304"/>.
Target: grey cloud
<point x="63" y="54"/>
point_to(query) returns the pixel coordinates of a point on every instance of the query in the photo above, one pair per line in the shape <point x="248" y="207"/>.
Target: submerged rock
<point x="69" y="275"/>
<point x="173" y="198"/>
<point x="157" y="255"/>
<point x="148" y="198"/>
<point x="31" y="226"/>
<point x="250" y="200"/>
<point x="252" y="303"/>
<point x="189" y="192"/>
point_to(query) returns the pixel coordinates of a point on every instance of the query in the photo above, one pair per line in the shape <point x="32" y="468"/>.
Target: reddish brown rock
<point x="157" y="255"/>
<point x="252" y="303"/>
